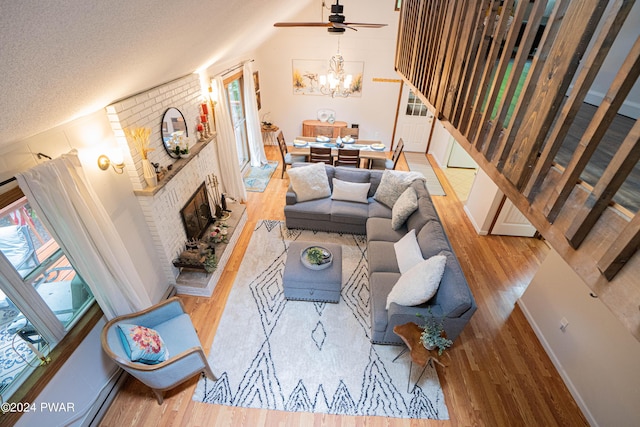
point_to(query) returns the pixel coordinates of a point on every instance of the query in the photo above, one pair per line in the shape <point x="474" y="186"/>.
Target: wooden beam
<point x="617" y="93"/>
<point x="449" y="53"/>
<point x="602" y="194"/>
<point x="521" y="111"/>
<point x="621" y="250"/>
<point x="551" y="85"/>
<point x="486" y="121"/>
<point x="491" y="70"/>
<point x="615" y="19"/>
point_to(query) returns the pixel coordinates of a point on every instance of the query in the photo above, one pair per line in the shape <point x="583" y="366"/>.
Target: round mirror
<point x="174" y="131"/>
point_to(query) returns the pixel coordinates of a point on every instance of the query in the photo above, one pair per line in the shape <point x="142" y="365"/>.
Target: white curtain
<point x="70" y="209"/>
<point x="227" y="152"/>
<point x="254" y="130"/>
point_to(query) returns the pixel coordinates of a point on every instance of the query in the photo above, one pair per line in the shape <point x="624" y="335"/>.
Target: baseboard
<point x="479" y="230"/>
<point x="104" y="400"/>
<point x="556" y="362"/>
<point x="628" y="108"/>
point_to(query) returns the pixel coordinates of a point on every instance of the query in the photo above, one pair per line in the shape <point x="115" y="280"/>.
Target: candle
<point x="203" y="118"/>
<point x="205" y="110"/>
<point x="200" y="127"/>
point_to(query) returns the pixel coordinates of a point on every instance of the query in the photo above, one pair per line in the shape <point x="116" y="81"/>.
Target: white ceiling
<point x="64" y="59"/>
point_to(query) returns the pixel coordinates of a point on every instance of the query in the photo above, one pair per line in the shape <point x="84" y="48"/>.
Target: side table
<point x="410" y="334"/>
<point x="269" y="134"/>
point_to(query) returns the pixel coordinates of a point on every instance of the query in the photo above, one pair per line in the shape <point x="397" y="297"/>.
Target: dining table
<point x="302" y="147"/>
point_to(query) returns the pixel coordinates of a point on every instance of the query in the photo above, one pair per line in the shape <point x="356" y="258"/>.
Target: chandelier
<point x="336" y="82"/>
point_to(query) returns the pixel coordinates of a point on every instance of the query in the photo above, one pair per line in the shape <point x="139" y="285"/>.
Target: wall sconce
<point x="104" y="162"/>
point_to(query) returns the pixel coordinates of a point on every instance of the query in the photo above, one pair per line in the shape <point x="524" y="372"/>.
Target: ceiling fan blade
<point x="339" y="25"/>
<point x="302" y="24"/>
<point x="365" y="25"/>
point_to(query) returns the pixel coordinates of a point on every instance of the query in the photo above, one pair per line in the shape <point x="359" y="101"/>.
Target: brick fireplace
<point x="161" y="205"/>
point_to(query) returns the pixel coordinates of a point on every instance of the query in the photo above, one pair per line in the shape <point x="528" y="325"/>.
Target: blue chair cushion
<point x="289" y="159"/>
<point x="142" y="344"/>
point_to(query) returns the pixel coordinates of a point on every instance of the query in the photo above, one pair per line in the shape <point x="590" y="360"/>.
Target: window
<point x="415" y="107"/>
<point x="234" y="86"/>
<point x="41" y="295"/>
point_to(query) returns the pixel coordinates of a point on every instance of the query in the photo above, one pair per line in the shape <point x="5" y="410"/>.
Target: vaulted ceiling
<point x="64" y="59"/>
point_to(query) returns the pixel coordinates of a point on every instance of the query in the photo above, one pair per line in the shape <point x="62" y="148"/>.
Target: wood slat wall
<point x="456" y="54"/>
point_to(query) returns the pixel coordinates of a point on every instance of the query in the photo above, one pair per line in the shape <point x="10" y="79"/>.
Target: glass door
<point x="236" y="107"/>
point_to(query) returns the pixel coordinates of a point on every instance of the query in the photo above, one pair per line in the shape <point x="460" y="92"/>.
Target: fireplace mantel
<point x="177" y="167"/>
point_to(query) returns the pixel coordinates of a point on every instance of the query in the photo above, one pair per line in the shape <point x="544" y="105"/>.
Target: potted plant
<point x="433" y="335"/>
<point x="184" y="152"/>
<point x="316" y="255"/>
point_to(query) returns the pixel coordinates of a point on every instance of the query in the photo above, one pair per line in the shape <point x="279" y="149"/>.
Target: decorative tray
<point x="327" y="258"/>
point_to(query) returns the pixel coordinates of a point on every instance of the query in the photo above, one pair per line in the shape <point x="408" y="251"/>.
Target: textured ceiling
<point x="63" y="59"/>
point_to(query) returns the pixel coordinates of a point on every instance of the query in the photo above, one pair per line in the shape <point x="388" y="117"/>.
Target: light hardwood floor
<point x="499" y="374"/>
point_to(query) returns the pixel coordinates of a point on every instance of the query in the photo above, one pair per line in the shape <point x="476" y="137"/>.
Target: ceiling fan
<point x="336" y="22"/>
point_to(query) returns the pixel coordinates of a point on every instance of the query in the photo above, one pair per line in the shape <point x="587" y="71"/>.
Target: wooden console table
<point x="309" y="127"/>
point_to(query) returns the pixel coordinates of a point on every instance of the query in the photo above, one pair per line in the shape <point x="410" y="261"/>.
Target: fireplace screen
<point x="196" y="214"/>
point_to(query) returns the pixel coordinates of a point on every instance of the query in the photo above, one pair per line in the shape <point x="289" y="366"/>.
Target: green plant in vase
<point x="433" y="335"/>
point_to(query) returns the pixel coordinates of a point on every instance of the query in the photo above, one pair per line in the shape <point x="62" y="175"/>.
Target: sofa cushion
<point x="382" y="257"/>
<point x="406" y="204"/>
<point x="375" y="176"/>
<point x="419" y="284"/>
<point x="391" y="187"/>
<point x="319" y="209"/>
<point x="432" y="239"/>
<point x="310" y="182"/>
<point x="425" y="213"/>
<point x="350" y="191"/>
<point x="378" y="210"/>
<point x="349" y="212"/>
<point x="350" y="174"/>
<point x="407" y="251"/>
<point x="380" y="229"/>
<point x="454" y="295"/>
<point x="381" y="284"/>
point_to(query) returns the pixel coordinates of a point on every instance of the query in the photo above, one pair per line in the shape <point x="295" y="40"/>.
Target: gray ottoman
<point x="302" y="283"/>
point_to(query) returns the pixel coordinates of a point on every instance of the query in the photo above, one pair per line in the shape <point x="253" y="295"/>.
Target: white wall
<point x="597" y="357"/>
<point x="91" y="136"/>
<point x="483" y="202"/>
<point x="441" y="143"/>
<point x="374" y="111"/>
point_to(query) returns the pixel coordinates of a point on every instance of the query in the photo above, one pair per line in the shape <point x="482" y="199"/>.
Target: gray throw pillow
<point x="406" y="204"/>
<point x="390" y="188"/>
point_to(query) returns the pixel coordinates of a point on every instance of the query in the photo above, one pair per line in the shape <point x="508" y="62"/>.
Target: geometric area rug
<point x="256" y="178"/>
<point x="304" y="356"/>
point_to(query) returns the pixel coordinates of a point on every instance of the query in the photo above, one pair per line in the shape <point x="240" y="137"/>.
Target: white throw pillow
<point x="350" y="191"/>
<point x="408" y="251"/>
<point x="309" y="182"/>
<point x="406" y="204"/>
<point x="419" y="284"/>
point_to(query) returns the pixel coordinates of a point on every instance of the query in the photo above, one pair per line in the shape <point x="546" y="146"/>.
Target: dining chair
<point x="348" y="157"/>
<point x="324" y="131"/>
<point x="388" y="163"/>
<point x="352" y="132"/>
<point x="287" y="158"/>
<point x="168" y="319"/>
<point x="320" y="155"/>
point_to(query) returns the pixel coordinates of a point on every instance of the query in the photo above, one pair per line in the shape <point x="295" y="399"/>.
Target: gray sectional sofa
<point x="453" y="301"/>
